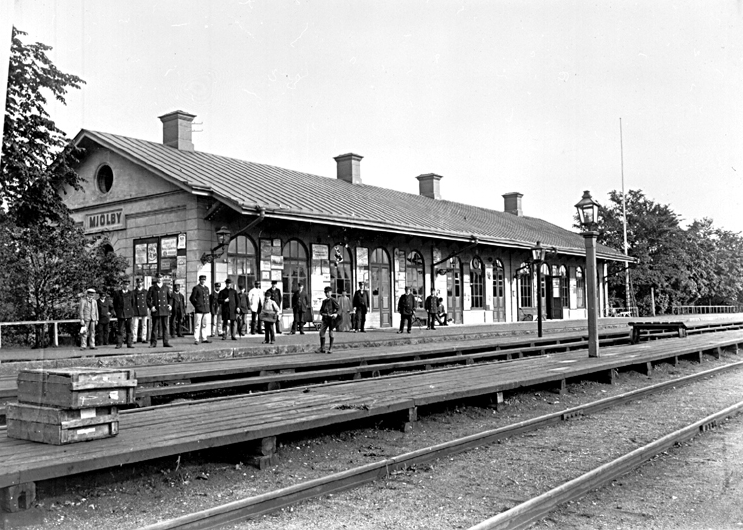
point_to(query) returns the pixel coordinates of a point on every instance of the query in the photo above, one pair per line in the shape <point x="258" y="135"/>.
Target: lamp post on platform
<point x="588" y="210"/>
<point x="223" y="237"/>
<point x="537" y="258"/>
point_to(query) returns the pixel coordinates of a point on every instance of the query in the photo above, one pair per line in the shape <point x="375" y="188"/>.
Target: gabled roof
<point x="284" y="193"/>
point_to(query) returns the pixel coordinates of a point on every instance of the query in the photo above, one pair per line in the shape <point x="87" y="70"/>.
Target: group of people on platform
<point x="433" y="306"/>
<point x="228" y="309"/>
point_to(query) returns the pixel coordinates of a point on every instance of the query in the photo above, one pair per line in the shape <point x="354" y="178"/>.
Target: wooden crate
<point x="77" y="388"/>
<point x="60" y="426"/>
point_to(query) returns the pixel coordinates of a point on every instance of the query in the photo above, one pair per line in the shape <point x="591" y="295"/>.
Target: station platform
<point x="156" y="432"/>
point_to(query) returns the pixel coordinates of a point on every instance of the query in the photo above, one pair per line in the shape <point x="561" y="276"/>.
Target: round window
<point x="105" y="179"/>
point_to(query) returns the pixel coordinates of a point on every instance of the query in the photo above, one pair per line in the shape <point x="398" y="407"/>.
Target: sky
<point x="496" y="96"/>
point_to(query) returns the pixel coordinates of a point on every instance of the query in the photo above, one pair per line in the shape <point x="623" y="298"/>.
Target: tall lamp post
<point x="588" y="210"/>
<point x="537" y="258"/>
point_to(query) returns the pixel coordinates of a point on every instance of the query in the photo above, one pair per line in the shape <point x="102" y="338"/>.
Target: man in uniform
<point x="329" y="313"/>
<point x="160" y="302"/>
<point x="200" y="300"/>
<point x="276" y="297"/>
<point x="406" y="306"/>
<point x="215" y="310"/>
<point x="105" y="306"/>
<point x="300" y="304"/>
<point x="139" y="319"/>
<point x="431" y="306"/>
<point x="228" y="304"/>
<point x="361" y="306"/>
<point x="124" y="308"/>
<point x="178" y="312"/>
<point x="88" y="319"/>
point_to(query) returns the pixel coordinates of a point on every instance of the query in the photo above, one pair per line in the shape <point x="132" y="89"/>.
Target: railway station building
<point x="164" y="205"/>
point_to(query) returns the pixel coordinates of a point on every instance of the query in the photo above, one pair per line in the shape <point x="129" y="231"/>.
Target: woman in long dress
<point x="344" y="320"/>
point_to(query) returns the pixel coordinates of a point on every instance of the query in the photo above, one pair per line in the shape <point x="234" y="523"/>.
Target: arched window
<point x="580" y="288"/>
<point x="477" y="283"/>
<point x="341" y="268"/>
<point x="415" y="277"/>
<point x="241" y="262"/>
<point x="295" y="271"/>
<point x="525" y="286"/>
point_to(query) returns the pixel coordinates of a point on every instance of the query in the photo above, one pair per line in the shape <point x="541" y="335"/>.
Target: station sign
<point x="108" y="220"/>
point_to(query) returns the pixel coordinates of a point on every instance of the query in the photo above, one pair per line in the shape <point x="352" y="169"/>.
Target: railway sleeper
<point x="708" y="426"/>
<point x="408" y="418"/>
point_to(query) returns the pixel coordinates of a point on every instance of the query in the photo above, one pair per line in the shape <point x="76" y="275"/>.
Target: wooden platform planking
<point x="171" y="430"/>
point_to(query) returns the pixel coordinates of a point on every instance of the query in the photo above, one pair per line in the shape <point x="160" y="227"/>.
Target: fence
<point x="706" y="309"/>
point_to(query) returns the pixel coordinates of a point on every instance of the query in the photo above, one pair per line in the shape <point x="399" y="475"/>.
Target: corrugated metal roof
<point x="293" y="194"/>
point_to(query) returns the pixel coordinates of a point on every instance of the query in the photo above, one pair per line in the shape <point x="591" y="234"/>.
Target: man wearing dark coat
<point x="178" y="312"/>
<point x="300" y="304"/>
<point x="139" y="319"/>
<point x="361" y="306"/>
<point x="276" y="297"/>
<point x="160" y="302"/>
<point x="200" y="300"/>
<point x="406" y="306"/>
<point x="105" y="307"/>
<point x="244" y="306"/>
<point x="215" y="310"/>
<point x="229" y="304"/>
<point x="124" y="308"/>
<point x="431" y="306"/>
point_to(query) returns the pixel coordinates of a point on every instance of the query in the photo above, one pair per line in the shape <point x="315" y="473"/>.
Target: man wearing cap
<point x="178" y="312"/>
<point x="124" y="308"/>
<point x="160" y="302"/>
<point x="406" y="306"/>
<point x="431" y="306"/>
<point x="255" y="297"/>
<point x="361" y="306"/>
<point x="329" y="313"/>
<point x="139" y="319"/>
<point x="105" y="306"/>
<point x="243" y="309"/>
<point x="88" y="319"/>
<point x="228" y="303"/>
<point x="215" y="310"/>
<point x="200" y="301"/>
<point x="300" y="305"/>
<point x="276" y="297"/>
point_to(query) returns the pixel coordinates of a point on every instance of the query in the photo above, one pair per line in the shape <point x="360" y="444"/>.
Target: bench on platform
<point x="680" y="328"/>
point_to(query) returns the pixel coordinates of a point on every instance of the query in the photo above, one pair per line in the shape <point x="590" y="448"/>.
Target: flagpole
<point x="624" y="216"/>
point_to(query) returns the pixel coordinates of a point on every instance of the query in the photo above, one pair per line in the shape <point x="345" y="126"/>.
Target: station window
<point x="477" y="283"/>
<point x="525" y="286"/>
<point x="414" y="276"/>
<point x="104" y="178"/>
<point x="580" y="288"/>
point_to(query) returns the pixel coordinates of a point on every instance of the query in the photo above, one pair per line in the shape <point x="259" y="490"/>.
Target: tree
<point x="46" y="259"/>
<point x="37" y="157"/>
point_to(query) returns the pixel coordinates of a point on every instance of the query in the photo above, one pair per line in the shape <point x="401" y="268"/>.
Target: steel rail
<point x="255" y="506"/>
<point x="527" y="513"/>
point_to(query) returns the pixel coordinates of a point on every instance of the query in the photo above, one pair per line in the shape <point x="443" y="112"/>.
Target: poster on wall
<point x="436" y="256"/>
<point x="276" y="243"/>
<point x="265" y="264"/>
<point x="362" y="257"/>
<point x="266" y="249"/>
<point x="168" y="247"/>
<point x="140" y="253"/>
<point x="276" y="275"/>
<point x="152" y="253"/>
<point x="181" y="241"/>
<point x="181" y="266"/>
<point x="319" y="252"/>
<point x="277" y="262"/>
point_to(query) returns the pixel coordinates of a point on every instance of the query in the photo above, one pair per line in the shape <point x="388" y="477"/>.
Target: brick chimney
<point x="177" y="130"/>
<point x="349" y="167"/>
<point x="512" y="203"/>
<point x="428" y="185"/>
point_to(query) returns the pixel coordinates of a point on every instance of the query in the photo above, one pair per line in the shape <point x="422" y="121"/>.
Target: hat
<point x="125" y="281"/>
<point x="361" y="283"/>
<point x="138" y="280"/>
<point x="202" y="277"/>
<point x="257" y="283"/>
<point x="90" y="291"/>
<point x="227" y="281"/>
<point x="407" y="287"/>
<point x="274" y="282"/>
<point x="176" y="285"/>
<point x="327" y="289"/>
<point x="217" y="284"/>
<point x="157" y="276"/>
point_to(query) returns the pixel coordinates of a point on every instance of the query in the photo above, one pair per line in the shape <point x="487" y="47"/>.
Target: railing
<point x="45" y="326"/>
<point x="706" y="309"/>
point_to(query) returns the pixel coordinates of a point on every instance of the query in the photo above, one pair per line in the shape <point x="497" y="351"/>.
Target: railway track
<point x="519" y="516"/>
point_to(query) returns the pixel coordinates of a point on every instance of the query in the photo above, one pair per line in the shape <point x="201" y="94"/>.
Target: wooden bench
<point x="681" y="328"/>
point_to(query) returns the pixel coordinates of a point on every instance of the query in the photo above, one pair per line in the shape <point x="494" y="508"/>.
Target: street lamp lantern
<point x="537" y="257"/>
<point x="223" y="234"/>
<point x="588" y="210"/>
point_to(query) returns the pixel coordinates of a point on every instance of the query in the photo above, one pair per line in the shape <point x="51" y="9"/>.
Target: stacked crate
<point x="67" y="405"/>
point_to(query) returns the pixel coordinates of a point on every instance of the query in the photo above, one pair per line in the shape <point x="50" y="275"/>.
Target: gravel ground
<point x="453" y="493"/>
